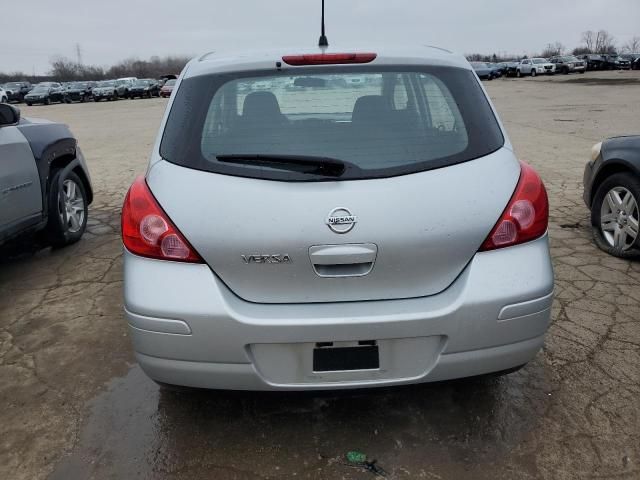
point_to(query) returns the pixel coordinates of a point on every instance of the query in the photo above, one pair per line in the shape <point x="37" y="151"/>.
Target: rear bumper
<point x="188" y="329"/>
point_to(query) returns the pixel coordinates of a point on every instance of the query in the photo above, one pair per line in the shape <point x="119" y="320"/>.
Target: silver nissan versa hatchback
<point x="334" y="219"/>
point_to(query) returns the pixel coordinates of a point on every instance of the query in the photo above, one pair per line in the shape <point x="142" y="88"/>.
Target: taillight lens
<point x="526" y="216"/>
<point x="147" y="231"/>
<point x="328" y="58"/>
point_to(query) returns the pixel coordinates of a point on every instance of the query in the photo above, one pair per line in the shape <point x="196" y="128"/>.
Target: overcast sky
<point x="109" y="31"/>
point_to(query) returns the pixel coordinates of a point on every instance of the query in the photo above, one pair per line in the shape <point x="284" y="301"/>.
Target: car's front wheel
<point x="68" y="209"/>
<point x="615" y="215"/>
<point x="533" y="72"/>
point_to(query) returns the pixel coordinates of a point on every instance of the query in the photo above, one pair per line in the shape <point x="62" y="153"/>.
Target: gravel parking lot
<point x="76" y="405"/>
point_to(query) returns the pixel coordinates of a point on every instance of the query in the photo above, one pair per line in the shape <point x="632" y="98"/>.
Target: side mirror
<point x="9" y="115"/>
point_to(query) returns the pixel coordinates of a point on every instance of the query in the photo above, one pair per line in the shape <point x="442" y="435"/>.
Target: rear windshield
<point x="382" y="121"/>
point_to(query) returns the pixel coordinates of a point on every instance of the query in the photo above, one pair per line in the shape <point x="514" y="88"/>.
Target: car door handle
<point x="351" y="260"/>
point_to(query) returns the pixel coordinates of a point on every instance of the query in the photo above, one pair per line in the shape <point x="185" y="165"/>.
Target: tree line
<point x="63" y="70"/>
<point x="600" y="42"/>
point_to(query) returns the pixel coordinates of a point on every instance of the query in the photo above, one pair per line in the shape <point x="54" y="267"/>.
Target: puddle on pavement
<point x="136" y="430"/>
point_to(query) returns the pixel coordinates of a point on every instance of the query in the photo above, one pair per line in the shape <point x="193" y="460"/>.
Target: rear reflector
<point x="329" y="58"/>
<point x="526" y="216"/>
<point x="147" y="231"/>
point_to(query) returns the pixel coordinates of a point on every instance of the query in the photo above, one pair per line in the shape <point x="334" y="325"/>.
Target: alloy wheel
<point x="619" y="218"/>
<point x="71" y="207"/>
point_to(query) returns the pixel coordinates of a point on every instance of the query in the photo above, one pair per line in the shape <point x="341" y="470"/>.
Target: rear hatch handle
<point x="350" y="260"/>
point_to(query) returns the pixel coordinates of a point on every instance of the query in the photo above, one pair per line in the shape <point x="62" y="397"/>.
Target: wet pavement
<point x="75" y="405"/>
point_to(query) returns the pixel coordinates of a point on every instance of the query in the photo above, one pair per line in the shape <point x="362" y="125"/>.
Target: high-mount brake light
<point x="526" y="216"/>
<point x="147" y="231"/>
<point x="328" y="58"/>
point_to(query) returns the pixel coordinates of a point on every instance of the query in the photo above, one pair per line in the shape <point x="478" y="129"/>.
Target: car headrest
<point x="369" y="109"/>
<point x="261" y="105"/>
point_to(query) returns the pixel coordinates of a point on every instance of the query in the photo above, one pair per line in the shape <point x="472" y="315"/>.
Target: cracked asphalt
<point x="75" y="405"/>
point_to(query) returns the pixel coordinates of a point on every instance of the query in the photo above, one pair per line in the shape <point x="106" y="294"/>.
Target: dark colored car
<point x="46" y="93"/>
<point x="612" y="193"/>
<point x="144" y="89"/>
<point x="496" y="70"/>
<point x="16" y="91"/>
<point x="167" y="88"/>
<point x="44" y="180"/>
<point x="511" y="69"/>
<point x="483" y="70"/>
<point x="568" y="64"/>
<point x="593" y="61"/>
<point x="615" y="62"/>
<point x="80" y="91"/>
<point x="634" y="58"/>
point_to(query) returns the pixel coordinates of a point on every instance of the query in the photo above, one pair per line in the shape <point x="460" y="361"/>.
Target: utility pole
<point x="78" y="54"/>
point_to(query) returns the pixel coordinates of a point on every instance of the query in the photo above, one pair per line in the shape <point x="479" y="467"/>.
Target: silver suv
<point x="299" y="230"/>
<point x="535" y="66"/>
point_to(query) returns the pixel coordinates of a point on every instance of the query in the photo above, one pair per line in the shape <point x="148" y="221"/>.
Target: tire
<point x="565" y="71"/>
<point x="618" y="239"/>
<point x="29" y="104"/>
<point x="47" y="101"/>
<point x="518" y="74"/>
<point x="581" y="72"/>
<point x="71" y="201"/>
<point x="533" y="72"/>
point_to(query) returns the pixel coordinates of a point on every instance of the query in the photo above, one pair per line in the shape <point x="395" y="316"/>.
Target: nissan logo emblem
<point x="341" y="220"/>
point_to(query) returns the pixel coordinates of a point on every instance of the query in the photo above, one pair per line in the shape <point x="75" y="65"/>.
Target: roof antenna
<point x="323" y="42"/>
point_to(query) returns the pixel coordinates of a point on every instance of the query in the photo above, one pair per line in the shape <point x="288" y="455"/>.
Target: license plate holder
<point x="337" y="359"/>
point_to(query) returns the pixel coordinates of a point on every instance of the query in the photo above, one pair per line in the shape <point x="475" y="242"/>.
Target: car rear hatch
<point x="401" y="220"/>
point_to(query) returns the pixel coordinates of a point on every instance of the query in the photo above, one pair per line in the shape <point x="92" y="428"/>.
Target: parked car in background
<point x="80" y="91"/>
<point x="511" y="69"/>
<point x="503" y="67"/>
<point x="105" y="90"/>
<point x="44" y="180"/>
<point x="223" y="289"/>
<point x="165" y="78"/>
<point x="16" y="91"/>
<point x="615" y="62"/>
<point x="167" y="88"/>
<point x="483" y="70"/>
<point x="568" y="64"/>
<point x="495" y="69"/>
<point x="144" y="89"/>
<point x="535" y="66"/>
<point x="612" y="193"/>
<point x="46" y="93"/>
<point x="592" y="61"/>
<point x="123" y="86"/>
<point x="634" y="58"/>
<point x="4" y="98"/>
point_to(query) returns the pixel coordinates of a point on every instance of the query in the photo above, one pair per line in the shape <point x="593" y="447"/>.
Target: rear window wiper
<point x="329" y="167"/>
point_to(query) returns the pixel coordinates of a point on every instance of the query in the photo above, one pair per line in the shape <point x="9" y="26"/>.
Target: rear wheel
<point x="518" y="74"/>
<point x="47" y="101"/>
<point x="615" y="216"/>
<point x="68" y="209"/>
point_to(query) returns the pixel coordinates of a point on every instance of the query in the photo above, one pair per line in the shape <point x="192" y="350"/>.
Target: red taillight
<point x="527" y="215"/>
<point x="147" y="231"/>
<point x="328" y="58"/>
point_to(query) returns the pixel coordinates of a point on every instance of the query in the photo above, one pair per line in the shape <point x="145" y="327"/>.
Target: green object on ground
<point x="356" y="457"/>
